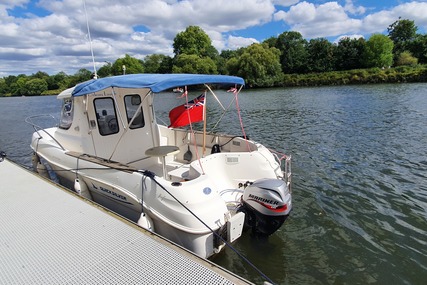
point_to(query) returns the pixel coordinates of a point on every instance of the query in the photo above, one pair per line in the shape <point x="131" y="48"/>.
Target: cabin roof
<point x="155" y="82"/>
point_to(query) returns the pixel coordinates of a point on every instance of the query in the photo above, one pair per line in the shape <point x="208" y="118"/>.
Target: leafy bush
<point x="405" y="73"/>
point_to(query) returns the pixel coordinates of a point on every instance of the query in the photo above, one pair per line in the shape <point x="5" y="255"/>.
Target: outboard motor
<point x="266" y="204"/>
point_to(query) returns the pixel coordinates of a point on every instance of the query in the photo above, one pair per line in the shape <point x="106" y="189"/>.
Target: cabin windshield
<point x="106" y="116"/>
<point x="66" y="114"/>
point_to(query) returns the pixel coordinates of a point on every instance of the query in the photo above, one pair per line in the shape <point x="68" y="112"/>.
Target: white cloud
<point x="325" y="20"/>
<point x="303" y="12"/>
<point x="9" y="30"/>
<point x="332" y="19"/>
<point x="137" y="28"/>
<point x="378" y="22"/>
<point x="347" y="36"/>
<point x="285" y="3"/>
<point x="30" y="52"/>
<point x="112" y="26"/>
<point x="58" y="41"/>
<point x="12" y="3"/>
<point x="414" y="11"/>
<point x="349" y="7"/>
<point x="238" y="42"/>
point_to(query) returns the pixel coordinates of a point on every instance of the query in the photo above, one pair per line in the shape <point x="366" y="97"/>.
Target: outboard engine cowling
<point x="266" y="204"/>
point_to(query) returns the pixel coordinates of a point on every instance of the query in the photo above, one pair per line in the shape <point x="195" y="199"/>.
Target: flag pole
<point x="204" y="126"/>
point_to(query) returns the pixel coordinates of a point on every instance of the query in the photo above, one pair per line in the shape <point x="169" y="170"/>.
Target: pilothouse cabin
<point x="108" y="123"/>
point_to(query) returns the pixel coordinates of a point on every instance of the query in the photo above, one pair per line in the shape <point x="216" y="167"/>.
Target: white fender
<point x="35" y="160"/>
<point x="146" y="222"/>
<point x="42" y="170"/>
<point x="81" y="188"/>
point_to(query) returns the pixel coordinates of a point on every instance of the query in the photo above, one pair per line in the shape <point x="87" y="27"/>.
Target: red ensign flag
<point x="187" y="113"/>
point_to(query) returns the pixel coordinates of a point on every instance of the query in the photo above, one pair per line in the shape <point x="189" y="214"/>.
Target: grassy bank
<point x="399" y="74"/>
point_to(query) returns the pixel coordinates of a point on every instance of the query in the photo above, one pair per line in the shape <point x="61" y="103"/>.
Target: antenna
<point x="90" y="41"/>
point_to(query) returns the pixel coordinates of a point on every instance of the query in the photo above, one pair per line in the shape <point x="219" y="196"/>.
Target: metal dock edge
<point x="49" y="235"/>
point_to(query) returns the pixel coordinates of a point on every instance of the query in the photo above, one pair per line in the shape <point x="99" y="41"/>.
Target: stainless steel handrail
<point x="38" y="128"/>
<point x="288" y="172"/>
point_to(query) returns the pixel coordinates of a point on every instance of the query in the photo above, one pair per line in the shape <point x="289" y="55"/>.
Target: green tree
<point x="41" y="75"/>
<point x="4" y="89"/>
<point x="9" y="80"/>
<point x="35" y="86"/>
<point x="227" y="54"/>
<point x="232" y="65"/>
<point x="105" y="70"/>
<point x="62" y="80"/>
<point x="418" y="48"/>
<point x="402" y="33"/>
<point x="293" y="57"/>
<point x="18" y="87"/>
<point x="320" y="55"/>
<point x="406" y="58"/>
<point x="127" y="65"/>
<point x="224" y="57"/>
<point x="157" y="63"/>
<point x="379" y="51"/>
<point x="259" y="64"/>
<point x="194" y="41"/>
<point x="191" y="63"/>
<point x="51" y="83"/>
<point x="166" y="65"/>
<point x="81" y="75"/>
<point x="348" y="54"/>
<point x="271" y="42"/>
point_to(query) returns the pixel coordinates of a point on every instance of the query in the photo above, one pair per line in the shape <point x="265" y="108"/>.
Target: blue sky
<point x="51" y="35"/>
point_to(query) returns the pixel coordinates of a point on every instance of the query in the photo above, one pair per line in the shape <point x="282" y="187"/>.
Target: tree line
<point x="285" y="60"/>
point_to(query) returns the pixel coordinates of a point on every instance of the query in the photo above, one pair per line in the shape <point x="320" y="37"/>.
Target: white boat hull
<point x="109" y="148"/>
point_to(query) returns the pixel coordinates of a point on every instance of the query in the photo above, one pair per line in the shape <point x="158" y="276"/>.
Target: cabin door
<point x="123" y="125"/>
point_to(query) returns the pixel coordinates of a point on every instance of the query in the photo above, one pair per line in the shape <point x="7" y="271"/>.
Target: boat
<point x="199" y="189"/>
<point x="177" y="90"/>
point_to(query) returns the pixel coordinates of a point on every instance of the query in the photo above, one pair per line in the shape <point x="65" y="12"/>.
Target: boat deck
<point x="49" y="235"/>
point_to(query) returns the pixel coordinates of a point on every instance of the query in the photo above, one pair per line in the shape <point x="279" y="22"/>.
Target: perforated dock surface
<point x="48" y="235"/>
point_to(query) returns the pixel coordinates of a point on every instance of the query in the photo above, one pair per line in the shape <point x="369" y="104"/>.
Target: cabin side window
<point x="66" y="114"/>
<point x="106" y="116"/>
<point x="134" y="111"/>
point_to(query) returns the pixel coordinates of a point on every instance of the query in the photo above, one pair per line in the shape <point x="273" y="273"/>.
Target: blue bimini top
<point x="156" y="82"/>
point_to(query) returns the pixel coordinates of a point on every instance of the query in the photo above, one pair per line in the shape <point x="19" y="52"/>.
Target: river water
<point x="359" y="180"/>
